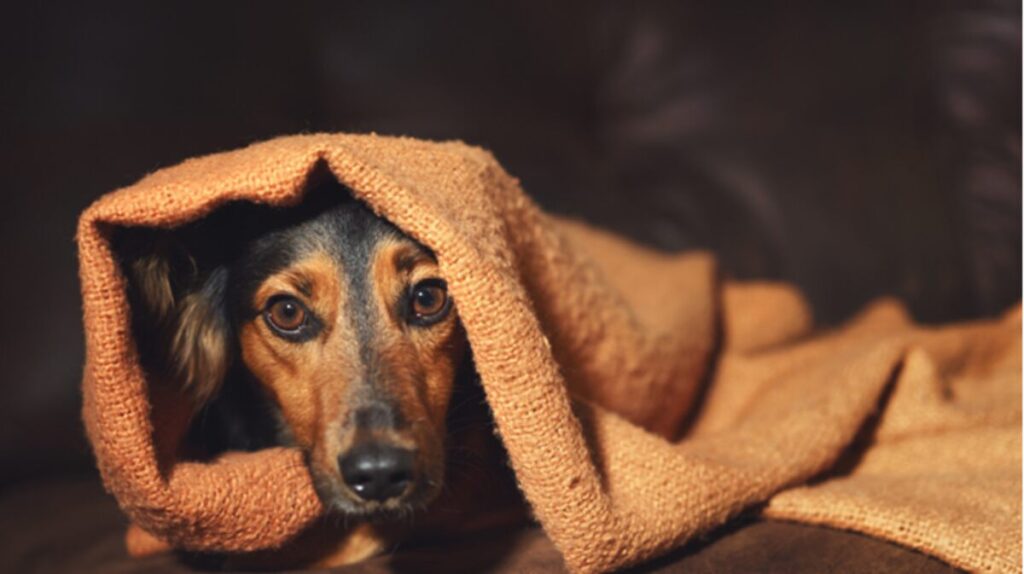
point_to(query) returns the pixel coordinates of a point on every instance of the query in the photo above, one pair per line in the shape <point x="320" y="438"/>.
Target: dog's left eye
<point x="286" y="314"/>
<point x="429" y="302"/>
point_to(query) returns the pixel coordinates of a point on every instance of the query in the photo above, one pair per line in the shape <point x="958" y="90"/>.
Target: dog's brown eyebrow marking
<point x="315" y="277"/>
<point x="304" y="285"/>
<point x="300" y="276"/>
<point x="408" y="258"/>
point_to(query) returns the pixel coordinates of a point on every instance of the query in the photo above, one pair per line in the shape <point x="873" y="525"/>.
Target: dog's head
<point x="347" y="326"/>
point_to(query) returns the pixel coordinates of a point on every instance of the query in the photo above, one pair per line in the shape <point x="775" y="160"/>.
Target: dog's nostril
<point x="377" y="472"/>
<point x="359" y="480"/>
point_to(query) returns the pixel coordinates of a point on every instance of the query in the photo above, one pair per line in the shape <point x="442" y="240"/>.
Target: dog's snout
<point x="377" y="472"/>
<point x="376" y="416"/>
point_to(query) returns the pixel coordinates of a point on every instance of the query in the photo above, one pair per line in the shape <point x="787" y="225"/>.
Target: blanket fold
<point x="641" y="401"/>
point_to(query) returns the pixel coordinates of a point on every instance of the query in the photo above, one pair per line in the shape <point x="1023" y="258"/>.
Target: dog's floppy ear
<point x="153" y="278"/>
<point x="201" y="346"/>
<point x="181" y="323"/>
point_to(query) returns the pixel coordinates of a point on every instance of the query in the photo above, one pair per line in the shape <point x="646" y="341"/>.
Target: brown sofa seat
<point x="71" y="525"/>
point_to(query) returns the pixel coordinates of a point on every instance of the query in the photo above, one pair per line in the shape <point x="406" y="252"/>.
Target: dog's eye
<point x="428" y="302"/>
<point x="286" y="314"/>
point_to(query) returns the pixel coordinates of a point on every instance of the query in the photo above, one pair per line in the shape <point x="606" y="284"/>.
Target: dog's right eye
<point x="286" y="314"/>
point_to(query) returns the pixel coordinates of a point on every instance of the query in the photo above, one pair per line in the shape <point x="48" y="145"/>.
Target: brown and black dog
<point x="326" y="328"/>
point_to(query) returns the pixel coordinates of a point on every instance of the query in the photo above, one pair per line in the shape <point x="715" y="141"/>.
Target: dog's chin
<point x="374" y="514"/>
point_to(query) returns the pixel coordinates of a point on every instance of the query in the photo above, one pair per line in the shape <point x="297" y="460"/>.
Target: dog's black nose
<point x="376" y="471"/>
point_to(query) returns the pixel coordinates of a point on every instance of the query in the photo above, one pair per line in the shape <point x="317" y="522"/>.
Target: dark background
<point x="855" y="148"/>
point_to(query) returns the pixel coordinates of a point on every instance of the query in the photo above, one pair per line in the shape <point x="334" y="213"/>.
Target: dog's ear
<point x="181" y="325"/>
<point x="158" y="274"/>
<point x="201" y="345"/>
<point x="152" y="275"/>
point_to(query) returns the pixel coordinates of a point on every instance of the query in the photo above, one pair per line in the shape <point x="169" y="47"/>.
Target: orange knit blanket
<point x="641" y="402"/>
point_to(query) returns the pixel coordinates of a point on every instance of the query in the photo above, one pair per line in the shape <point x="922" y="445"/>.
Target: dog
<point x="326" y="328"/>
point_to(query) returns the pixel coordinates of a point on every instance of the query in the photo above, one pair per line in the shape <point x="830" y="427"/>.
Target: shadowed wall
<point x="857" y="149"/>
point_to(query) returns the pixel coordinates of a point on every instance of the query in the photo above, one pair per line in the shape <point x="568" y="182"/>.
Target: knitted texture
<point x="592" y="353"/>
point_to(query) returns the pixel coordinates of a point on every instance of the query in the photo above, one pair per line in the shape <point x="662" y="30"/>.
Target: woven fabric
<point x="641" y="402"/>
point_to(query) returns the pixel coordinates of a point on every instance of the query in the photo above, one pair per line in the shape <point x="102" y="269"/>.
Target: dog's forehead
<point x="348" y="234"/>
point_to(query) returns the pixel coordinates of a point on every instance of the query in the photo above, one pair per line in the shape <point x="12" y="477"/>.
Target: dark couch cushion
<point x="71" y="525"/>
